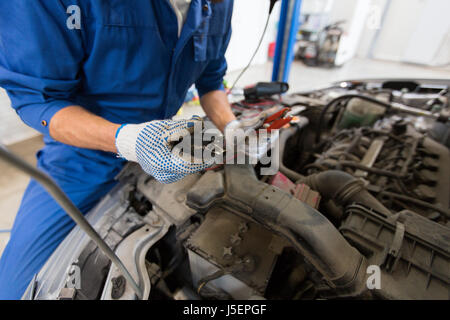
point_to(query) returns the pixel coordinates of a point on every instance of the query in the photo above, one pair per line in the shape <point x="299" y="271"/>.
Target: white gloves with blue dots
<point x="149" y="145"/>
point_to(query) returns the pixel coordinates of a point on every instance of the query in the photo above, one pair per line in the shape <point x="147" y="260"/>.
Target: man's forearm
<point x="216" y="106"/>
<point x="78" y="127"/>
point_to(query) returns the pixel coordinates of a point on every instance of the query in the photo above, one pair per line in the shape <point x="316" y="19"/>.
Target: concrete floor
<point x="304" y="78"/>
<point x="13" y="183"/>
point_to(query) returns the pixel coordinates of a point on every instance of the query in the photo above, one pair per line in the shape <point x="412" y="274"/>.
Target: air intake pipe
<point x="343" y="189"/>
<point x="308" y="230"/>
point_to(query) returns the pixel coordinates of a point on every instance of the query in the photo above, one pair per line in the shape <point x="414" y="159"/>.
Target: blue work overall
<point x="124" y="62"/>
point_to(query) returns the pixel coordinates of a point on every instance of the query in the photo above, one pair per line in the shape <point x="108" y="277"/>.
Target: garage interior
<point x="379" y="39"/>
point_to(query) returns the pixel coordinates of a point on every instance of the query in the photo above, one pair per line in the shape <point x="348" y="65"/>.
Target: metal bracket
<point x="132" y="251"/>
<point x="394" y="252"/>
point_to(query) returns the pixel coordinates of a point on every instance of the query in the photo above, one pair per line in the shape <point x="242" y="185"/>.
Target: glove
<point x="149" y="145"/>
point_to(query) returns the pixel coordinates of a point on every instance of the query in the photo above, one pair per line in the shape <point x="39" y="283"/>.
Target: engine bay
<point x="358" y="209"/>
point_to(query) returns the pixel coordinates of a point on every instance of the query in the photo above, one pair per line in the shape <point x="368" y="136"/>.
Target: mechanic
<point x="99" y="94"/>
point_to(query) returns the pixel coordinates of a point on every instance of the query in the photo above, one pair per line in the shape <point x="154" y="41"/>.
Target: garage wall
<point x="401" y="19"/>
<point x="249" y="17"/>
<point x="430" y="34"/>
<point x="378" y="10"/>
<point x="416" y="31"/>
<point x="355" y="14"/>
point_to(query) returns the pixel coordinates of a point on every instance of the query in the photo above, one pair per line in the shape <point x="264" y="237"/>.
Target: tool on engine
<point x="268" y="120"/>
<point x="278" y="119"/>
<point x="265" y="89"/>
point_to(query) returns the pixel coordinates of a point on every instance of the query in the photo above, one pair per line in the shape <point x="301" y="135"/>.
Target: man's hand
<point x="148" y="144"/>
<point x="145" y="143"/>
<point x="216" y="106"/>
<point x="78" y="127"/>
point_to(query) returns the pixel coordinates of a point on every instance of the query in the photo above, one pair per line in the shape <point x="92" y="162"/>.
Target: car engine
<point x="358" y="209"/>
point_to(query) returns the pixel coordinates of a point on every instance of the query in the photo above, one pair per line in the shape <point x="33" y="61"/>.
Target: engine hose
<point x="344" y="189"/>
<point x="377" y="171"/>
<point x="285" y="134"/>
<point x="345" y="97"/>
<point x="310" y="233"/>
<point x="418" y="202"/>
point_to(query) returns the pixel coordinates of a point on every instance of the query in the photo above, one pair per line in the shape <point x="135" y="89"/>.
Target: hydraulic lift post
<point x="286" y="38"/>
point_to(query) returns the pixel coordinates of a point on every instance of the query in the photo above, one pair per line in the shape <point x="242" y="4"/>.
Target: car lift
<point x="286" y="38"/>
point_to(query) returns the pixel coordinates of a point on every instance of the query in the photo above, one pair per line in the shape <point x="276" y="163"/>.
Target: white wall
<point x="401" y="19"/>
<point x="248" y="22"/>
<point x="12" y="129"/>
<point x="414" y="31"/>
<point x="442" y="56"/>
<point x="430" y="33"/>
<point x="355" y="14"/>
<point x="372" y="27"/>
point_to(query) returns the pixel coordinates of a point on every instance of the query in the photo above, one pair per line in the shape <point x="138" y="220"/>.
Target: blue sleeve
<point x="212" y="77"/>
<point x="40" y="58"/>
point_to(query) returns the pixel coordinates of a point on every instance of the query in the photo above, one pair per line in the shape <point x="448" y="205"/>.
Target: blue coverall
<point x="127" y="64"/>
